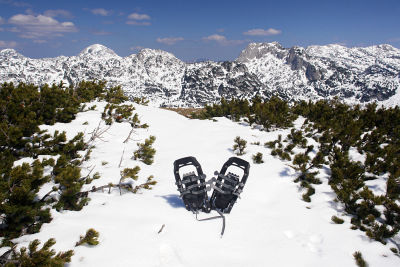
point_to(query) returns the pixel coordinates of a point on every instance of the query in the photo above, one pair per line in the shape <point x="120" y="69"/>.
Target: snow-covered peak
<point x="387" y="47"/>
<point x="150" y="53"/>
<point x="97" y="50"/>
<point x="9" y="53"/>
<point x="258" y="50"/>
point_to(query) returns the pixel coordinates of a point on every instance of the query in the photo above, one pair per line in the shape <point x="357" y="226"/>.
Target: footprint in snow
<point x="289" y="234"/>
<point x="169" y="256"/>
<point x="312" y="242"/>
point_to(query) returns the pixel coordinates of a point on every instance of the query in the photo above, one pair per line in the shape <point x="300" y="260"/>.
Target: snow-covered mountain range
<point x="359" y="74"/>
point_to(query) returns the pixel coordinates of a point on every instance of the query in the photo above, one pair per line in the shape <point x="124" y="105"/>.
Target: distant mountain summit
<point x="359" y="74"/>
<point x="97" y="50"/>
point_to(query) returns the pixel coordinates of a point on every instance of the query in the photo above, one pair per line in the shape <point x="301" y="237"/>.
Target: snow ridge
<point x="356" y="75"/>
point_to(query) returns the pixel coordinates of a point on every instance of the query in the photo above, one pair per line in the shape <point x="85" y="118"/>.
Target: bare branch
<point x="162" y="227"/>
<point x="48" y="194"/>
<point x="87" y="176"/>
<point x="120" y="162"/>
<point x="120" y="186"/>
<point x="97" y="133"/>
<point x="5" y="134"/>
<point x="129" y="136"/>
<point x="5" y="258"/>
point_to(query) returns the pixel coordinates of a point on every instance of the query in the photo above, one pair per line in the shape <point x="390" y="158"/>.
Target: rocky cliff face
<point x="353" y="74"/>
<point x="209" y="81"/>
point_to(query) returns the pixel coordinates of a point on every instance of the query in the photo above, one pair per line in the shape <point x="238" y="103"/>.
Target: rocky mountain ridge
<point x="359" y="75"/>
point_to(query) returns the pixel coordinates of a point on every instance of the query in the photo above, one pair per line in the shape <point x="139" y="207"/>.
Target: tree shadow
<point x="327" y="170"/>
<point x="173" y="200"/>
<point x="286" y="172"/>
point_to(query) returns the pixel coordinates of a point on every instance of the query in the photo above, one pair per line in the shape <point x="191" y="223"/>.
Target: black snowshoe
<point x="228" y="186"/>
<point x="192" y="186"/>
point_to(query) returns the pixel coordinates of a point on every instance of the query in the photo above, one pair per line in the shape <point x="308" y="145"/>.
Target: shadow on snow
<point x="174" y="200"/>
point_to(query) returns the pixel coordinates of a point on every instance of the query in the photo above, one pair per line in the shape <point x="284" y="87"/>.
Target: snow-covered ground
<point x="269" y="226"/>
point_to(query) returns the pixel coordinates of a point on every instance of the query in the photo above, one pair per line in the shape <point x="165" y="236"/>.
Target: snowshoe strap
<point x="225" y="177"/>
<point x="190" y="191"/>
<point x="221" y="183"/>
<point x="193" y="179"/>
<point x="221" y="215"/>
<point x="195" y="186"/>
<point x="212" y="183"/>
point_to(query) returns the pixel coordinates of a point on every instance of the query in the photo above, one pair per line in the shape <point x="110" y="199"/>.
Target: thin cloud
<point x="101" y="32"/>
<point x="169" y="40"/>
<point x="30" y="11"/>
<point x="58" y="13"/>
<point x="39" y="41"/>
<point x="15" y="3"/>
<point x="2" y="21"/>
<point x="138" y="23"/>
<point x="137" y="16"/>
<point x="136" y="48"/>
<point x="100" y="11"/>
<point x="262" y="32"/>
<point x="215" y="37"/>
<point x="138" y="19"/>
<point x="394" y="40"/>
<point x="222" y="40"/>
<point x="13" y="29"/>
<point x="35" y="27"/>
<point x="8" y="44"/>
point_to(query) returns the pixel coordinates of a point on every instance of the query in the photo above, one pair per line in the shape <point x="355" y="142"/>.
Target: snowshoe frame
<point x="192" y="187"/>
<point x="228" y="186"/>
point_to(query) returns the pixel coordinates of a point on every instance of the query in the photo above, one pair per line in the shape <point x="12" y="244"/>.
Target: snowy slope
<point x="357" y="75"/>
<point x="269" y="226"/>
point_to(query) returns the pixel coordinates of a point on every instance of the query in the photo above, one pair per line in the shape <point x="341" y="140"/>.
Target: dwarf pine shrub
<point x="90" y="238"/>
<point x="310" y="191"/>
<point x="115" y="95"/>
<point x="140" y="100"/>
<point x="145" y="151"/>
<point x="337" y="220"/>
<point x="359" y="259"/>
<point x="258" y="158"/>
<point x="70" y="185"/>
<point x="239" y="146"/>
<point x="21" y="211"/>
<point x="32" y="257"/>
<point x="147" y="185"/>
<point x="130" y="173"/>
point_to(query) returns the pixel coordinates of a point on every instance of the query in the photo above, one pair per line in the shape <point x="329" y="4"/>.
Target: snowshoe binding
<point x="191" y="185"/>
<point x="228" y="186"/>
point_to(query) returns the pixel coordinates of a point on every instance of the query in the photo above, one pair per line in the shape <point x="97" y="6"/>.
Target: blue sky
<point x="216" y="30"/>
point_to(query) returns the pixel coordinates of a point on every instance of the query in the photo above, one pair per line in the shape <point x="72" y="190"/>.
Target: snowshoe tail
<point x="191" y="186"/>
<point x="228" y="186"/>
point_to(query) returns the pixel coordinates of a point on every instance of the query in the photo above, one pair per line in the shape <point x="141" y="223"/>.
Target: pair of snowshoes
<point x="227" y="186"/>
